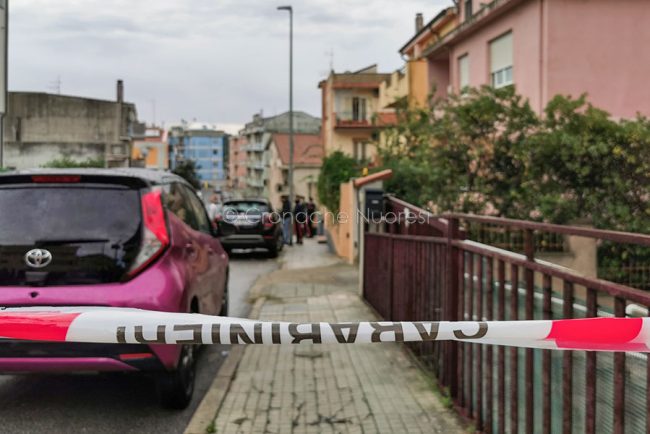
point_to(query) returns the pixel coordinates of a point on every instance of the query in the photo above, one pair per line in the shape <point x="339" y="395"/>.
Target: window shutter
<point x="463" y="71"/>
<point x="501" y="52"/>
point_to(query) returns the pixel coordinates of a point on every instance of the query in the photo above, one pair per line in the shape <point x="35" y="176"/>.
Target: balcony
<point x="255" y="182"/>
<point x="354" y="120"/>
<point x="257" y="165"/>
<point x="254" y="147"/>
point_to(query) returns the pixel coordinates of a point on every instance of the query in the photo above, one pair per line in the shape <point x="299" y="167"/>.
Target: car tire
<point x="275" y="249"/>
<point x="176" y="388"/>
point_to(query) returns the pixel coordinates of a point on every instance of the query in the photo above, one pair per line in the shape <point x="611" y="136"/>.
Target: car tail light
<point x="156" y="238"/>
<point x="268" y="221"/>
<point x="59" y="179"/>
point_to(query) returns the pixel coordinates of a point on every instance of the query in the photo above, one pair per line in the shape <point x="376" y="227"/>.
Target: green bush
<point x="337" y="168"/>
<point x="487" y="152"/>
<point x="68" y="163"/>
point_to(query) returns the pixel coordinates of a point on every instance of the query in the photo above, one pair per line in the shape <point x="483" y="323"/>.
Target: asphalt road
<point x="118" y="403"/>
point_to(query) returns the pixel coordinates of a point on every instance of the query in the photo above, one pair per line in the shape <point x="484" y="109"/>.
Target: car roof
<point x="248" y="199"/>
<point x="150" y="176"/>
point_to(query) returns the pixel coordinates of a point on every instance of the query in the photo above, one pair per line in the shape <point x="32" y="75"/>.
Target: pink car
<point x="120" y="237"/>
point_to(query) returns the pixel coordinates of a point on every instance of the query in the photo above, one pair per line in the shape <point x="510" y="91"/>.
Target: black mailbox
<point x="374" y="204"/>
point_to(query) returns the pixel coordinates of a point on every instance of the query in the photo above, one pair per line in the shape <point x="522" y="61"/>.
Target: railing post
<point x="529" y="276"/>
<point x="451" y="310"/>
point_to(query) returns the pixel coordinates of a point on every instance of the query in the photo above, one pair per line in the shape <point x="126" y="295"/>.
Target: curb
<point x="202" y="421"/>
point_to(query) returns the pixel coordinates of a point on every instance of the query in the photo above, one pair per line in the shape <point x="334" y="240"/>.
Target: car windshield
<point x="246" y="207"/>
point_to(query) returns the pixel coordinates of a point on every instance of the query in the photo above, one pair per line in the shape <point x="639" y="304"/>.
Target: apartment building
<point x="42" y="127"/>
<point x="258" y="134"/>
<point x="307" y="161"/>
<point x="203" y="143"/>
<point x="149" y="148"/>
<point x="237" y="168"/>
<point x="549" y="47"/>
<point x="350" y="106"/>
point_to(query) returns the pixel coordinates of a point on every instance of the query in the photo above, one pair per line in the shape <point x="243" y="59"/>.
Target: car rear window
<point x="246" y="206"/>
<point x="91" y="232"/>
<point x="34" y="214"/>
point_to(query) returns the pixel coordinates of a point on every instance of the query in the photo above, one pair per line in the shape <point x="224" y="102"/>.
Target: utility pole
<point x="291" y="190"/>
<point x="4" y="47"/>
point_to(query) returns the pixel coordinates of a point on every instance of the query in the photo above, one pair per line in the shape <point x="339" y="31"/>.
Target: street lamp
<point x="291" y="192"/>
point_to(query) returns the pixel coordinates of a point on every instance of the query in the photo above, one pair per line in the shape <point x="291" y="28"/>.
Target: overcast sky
<point x="212" y="60"/>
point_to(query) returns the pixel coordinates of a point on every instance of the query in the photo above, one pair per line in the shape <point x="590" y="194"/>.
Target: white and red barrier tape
<point x="122" y="325"/>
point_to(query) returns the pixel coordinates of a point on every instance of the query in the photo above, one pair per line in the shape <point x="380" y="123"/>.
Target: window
<point x="360" y="148"/>
<point x="468" y="9"/>
<point x="501" y="61"/>
<point x="463" y="71"/>
<point x="358" y="109"/>
<point x="200" y="214"/>
<point x="178" y="204"/>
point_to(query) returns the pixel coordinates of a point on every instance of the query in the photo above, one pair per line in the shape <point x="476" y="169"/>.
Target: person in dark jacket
<point x="300" y="219"/>
<point x="286" y="220"/>
<point x="311" y="210"/>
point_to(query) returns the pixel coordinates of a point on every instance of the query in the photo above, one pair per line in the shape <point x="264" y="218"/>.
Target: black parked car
<point x="250" y="223"/>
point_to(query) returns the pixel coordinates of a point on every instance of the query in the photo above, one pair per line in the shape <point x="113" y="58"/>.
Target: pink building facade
<point x="550" y="47"/>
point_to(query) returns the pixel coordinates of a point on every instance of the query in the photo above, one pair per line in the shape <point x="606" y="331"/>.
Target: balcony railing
<point x="254" y="147"/>
<point x="353" y="120"/>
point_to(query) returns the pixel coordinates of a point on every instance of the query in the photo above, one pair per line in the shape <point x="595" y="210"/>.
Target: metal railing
<point x="443" y="277"/>
<point x="353" y="119"/>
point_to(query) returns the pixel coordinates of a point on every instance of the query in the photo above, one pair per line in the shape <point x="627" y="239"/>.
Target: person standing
<point x="286" y="220"/>
<point x="300" y="218"/>
<point x="213" y="208"/>
<point x="311" y="211"/>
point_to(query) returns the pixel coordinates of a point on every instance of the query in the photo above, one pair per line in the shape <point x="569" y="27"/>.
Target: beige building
<point x="351" y="117"/>
<point x="307" y="161"/>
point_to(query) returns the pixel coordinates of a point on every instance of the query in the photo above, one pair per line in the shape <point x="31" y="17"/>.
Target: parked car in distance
<point x="250" y="223"/>
<point x="108" y="237"/>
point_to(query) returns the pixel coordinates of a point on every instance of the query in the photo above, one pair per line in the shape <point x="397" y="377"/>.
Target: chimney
<point x="419" y="22"/>
<point x="120" y="91"/>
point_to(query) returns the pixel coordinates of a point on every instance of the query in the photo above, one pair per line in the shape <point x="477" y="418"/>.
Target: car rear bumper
<point x="159" y="288"/>
<point x="247" y="241"/>
<point x="26" y="356"/>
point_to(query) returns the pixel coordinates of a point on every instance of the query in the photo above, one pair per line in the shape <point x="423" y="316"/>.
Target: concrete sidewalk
<point x="326" y="388"/>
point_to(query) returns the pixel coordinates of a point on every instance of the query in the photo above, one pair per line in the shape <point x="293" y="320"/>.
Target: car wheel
<point x="175" y="388"/>
<point x="280" y="242"/>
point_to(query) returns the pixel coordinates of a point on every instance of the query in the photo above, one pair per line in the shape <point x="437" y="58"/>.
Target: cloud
<point x="213" y="60"/>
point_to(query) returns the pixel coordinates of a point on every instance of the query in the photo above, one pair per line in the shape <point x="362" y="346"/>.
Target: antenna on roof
<point x="55" y="85"/>
<point x="330" y="53"/>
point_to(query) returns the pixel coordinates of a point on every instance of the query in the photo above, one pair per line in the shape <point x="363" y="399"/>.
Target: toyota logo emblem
<point x="38" y="258"/>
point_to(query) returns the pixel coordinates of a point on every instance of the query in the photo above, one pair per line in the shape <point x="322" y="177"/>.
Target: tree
<point x="187" y="170"/>
<point x="586" y="165"/>
<point x="337" y="168"/>
<point x="486" y="151"/>
<point x="482" y="142"/>
<point x="68" y="163"/>
<point x="467" y="153"/>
